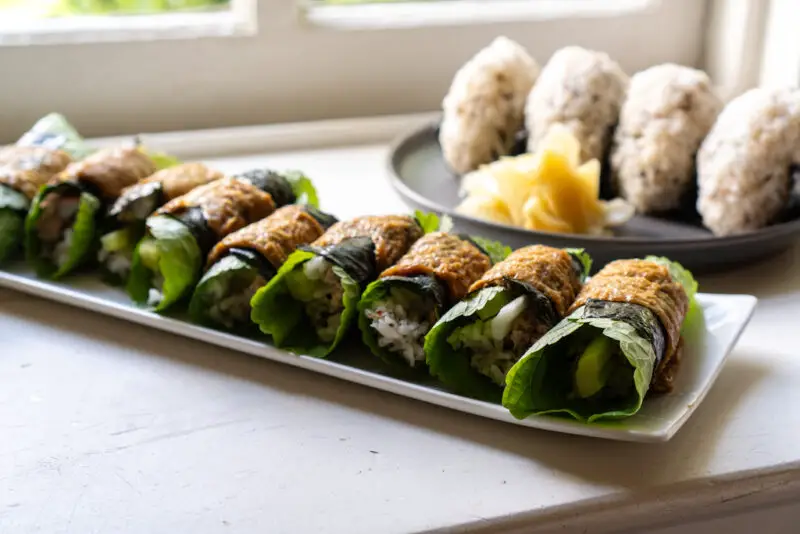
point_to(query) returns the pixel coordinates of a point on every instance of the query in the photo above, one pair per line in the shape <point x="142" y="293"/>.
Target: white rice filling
<point x="156" y="293"/>
<point x="401" y="325"/>
<point x="322" y="296"/>
<point x="61" y="250"/>
<point x="118" y="262"/>
<point x="232" y="307"/>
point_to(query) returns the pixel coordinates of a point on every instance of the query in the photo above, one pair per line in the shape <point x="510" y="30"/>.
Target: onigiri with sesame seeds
<point x="581" y="89"/>
<point x="484" y="108"/>
<point x="668" y="111"/>
<point x="744" y="164"/>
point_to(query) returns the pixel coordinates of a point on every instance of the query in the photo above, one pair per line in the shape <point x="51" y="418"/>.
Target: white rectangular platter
<point x="725" y="317"/>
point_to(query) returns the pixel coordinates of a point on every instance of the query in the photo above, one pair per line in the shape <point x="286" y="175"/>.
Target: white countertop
<point x="110" y="427"/>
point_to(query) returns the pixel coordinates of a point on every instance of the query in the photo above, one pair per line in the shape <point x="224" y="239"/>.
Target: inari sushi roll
<point x="485" y="106"/>
<point x="666" y="115"/>
<point x="621" y="340"/>
<point x="744" y="165"/>
<point x="23" y="171"/>
<point x="583" y="90"/>
<point x="472" y="347"/>
<point x="61" y="228"/>
<point x="124" y="223"/>
<point x="244" y="261"/>
<point x="399" y="308"/>
<point x="168" y="261"/>
<point x="312" y="301"/>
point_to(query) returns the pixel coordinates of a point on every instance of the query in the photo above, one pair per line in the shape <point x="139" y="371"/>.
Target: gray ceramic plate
<point x="420" y="176"/>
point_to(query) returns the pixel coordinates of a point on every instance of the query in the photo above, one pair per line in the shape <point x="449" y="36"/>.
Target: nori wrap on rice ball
<point x="621" y="340"/>
<point x="124" y="223"/>
<point x="168" y="261"/>
<point x="246" y="260"/>
<point x="399" y="308"/>
<point x="472" y="347"/>
<point x="312" y="301"/>
<point x="23" y="171"/>
<point x="61" y="227"/>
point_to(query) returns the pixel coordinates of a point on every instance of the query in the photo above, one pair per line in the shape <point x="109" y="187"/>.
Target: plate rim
<point x="66" y="293"/>
<point x="401" y="144"/>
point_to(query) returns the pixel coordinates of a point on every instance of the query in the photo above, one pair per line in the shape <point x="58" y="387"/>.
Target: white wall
<point x="292" y="73"/>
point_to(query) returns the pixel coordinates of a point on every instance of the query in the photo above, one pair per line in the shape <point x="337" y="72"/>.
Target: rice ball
<point x="743" y="167"/>
<point x="581" y="89"/>
<point x="484" y="107"/>
<point x="667" y="113"/>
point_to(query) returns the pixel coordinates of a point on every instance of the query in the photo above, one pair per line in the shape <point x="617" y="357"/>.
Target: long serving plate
<point x="725" y="318"/>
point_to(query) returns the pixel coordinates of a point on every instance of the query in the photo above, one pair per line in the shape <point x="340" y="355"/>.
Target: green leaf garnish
<point x="303" y="188"/>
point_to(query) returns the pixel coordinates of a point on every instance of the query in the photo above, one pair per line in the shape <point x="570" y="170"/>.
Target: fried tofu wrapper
<point x="311" y="303"/>
<point x="61" y="229"/>
<point x="124" y="224"/>
<point x="246" y="260"/>
<point x="23" y="171"/>
<point x="621" y="341"/>
<point x="472" y="347"/>
<point x="399" y="308"/>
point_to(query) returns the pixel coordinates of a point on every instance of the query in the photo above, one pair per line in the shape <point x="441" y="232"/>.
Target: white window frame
<point x="273" y="61"/>
<point x="780" y="59"/>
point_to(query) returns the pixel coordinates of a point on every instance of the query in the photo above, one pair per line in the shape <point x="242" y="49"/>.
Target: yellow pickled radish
<point x="551" y="190"/>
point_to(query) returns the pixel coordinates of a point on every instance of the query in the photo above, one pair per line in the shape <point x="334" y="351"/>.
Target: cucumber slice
<point x="148" y="252"/>
<point x="117" y="240"/>
<point x="595" y="366"/>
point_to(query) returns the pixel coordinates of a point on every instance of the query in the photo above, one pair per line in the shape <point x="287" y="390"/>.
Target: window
<point x="260" y="61"/>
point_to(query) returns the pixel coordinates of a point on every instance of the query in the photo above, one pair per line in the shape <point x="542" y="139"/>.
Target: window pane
<point x="65" y="8"/>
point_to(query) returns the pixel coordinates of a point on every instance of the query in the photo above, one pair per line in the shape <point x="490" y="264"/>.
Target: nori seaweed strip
<point x="196" y="223"/>
<point x="646" y="324"/>
<point x="271" y="182"/>
<point x="326" y="220"/>
<point x="355" y="255"/>
<point x="116" y="217"/>
<point x="255" y="260"/>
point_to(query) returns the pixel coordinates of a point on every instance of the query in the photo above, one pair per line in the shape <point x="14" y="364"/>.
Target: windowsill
<point x="93" y="29"/>
<point x="463" y="12"/>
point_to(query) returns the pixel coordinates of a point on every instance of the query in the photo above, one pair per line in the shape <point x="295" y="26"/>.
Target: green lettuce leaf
<point x="540" y="382"/>
<point x="583" y="258"/>
<point x="179" y="262"/>
<point x="303" y="188"/>
<point x="161" y="160"/>
<point x="283" y="318"/>
<point x="55" y="132"/>
<point x="84" y="234"/>
<point x="448" y="365"/>
<point x="679" y="273"/>
<point x="12" y="230"/>
<point x="431" y="222"/>
<point x="694" y="317"/>
<point x="496" y="251"/>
